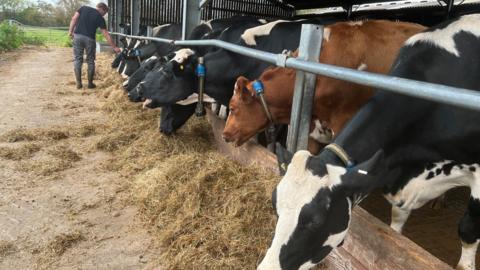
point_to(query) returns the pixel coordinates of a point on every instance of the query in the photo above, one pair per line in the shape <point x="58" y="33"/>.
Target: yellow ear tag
<point x="181" y="67"/>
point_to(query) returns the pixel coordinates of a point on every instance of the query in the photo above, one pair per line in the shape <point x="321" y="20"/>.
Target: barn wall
<point x="155" y="12"/>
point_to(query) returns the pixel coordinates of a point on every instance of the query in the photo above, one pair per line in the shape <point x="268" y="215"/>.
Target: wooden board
<point x="370" y="244"/>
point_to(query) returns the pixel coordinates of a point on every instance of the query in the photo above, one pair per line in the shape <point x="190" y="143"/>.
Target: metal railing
<point x="435" y="92"/>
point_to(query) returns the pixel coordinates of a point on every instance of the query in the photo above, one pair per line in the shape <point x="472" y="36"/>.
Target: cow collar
<point x="341" y="154"/>
<point x="259" y="90"/>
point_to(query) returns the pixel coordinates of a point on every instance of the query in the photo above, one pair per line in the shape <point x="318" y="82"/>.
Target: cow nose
<point x="227" y="137"/>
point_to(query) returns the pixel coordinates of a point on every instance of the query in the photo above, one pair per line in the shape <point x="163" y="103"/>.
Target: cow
<point x="414" y="149"/>
<point x="142" y="49"/>
<point x="174" y="116"/>
<point x="177" y="81"/>
<point x="146" y="66"/>
<point x="372" y="46"/>
<point x="206" y="30"/>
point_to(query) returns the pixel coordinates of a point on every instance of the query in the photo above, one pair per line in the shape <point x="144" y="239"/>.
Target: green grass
<point x="50" y="36"/>
<point x="47" y="36"/>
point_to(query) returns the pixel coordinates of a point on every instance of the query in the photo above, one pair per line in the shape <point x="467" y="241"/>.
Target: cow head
<point x="247" y="117"/>
<point x="172" y="82"/>
<point x="146" y="66"/>
<point x="133" y="57"/>
<point x="314" y="202"/>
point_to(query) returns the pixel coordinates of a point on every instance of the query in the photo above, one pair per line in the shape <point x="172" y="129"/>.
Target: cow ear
<point x="284" y="157"/>
<point x="366" y="176"/>
<point x="242" y="90"/>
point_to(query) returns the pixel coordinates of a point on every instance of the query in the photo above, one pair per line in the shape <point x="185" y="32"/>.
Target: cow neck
<point x="279" y="94"/>
<point x="379" y="124"/>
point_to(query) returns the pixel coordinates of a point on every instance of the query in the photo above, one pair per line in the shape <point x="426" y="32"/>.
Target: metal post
<point x="309" y="50"/>
<point x="118" y="18"/>
<point x="135" y="17"/>
<point x="191" y="16"/>
<point x="200" y="110"/>
<point x="149" y="31"/>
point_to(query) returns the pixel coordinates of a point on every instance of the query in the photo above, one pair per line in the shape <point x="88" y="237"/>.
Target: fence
<point x="154" y="12"/>
<point x="435" y="92"/>
<point x="51" y="36"/>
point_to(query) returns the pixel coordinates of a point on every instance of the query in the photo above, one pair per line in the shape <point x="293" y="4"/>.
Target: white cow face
<point x="314" y="211"/>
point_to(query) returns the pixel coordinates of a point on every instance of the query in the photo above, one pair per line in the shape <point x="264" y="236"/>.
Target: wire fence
<point x="50" y="36"/>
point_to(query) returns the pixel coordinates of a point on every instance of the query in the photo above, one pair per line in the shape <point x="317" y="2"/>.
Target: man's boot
<point x="78" y="77"/>
<point x="91" y="73"/>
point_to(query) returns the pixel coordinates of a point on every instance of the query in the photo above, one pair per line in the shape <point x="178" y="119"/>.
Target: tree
<point x="9" y="8"/>
<point x="12" y="5"/>
<point x="66" y="9"/>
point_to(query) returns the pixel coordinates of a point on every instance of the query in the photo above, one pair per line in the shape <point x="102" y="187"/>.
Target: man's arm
<point x="73" y="23"/>
<point x="109" y="40"/>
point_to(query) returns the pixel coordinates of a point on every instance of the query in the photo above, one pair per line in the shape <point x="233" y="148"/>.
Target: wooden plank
<point x="377" y="246"/>
<point x="370" y="244"/>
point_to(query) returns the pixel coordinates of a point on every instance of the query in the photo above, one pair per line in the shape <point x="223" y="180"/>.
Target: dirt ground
<point x="57" y="209"/>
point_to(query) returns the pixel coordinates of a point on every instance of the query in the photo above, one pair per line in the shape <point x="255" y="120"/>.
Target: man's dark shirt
<point x="88" y="22"/>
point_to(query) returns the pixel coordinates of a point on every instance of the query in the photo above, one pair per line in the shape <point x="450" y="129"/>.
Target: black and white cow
<point x="146" y="66"/>
<point x="141" y="50"/>
<point x="414" y="149"/>
<point x="176" y="81"/>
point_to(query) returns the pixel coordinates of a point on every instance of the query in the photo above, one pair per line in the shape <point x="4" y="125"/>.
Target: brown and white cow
<point x="371" y="46"/>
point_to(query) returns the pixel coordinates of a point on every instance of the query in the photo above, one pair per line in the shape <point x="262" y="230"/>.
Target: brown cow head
<point x="246" y="116"/>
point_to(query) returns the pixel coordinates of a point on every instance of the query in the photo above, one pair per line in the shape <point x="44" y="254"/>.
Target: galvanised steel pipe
<point x="435" y="92"/>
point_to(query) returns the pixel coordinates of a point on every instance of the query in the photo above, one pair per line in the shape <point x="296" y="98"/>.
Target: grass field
<point x="57" y="37"/>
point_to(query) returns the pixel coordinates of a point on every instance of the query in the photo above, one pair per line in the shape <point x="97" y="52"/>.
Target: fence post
<point x="309" y="49"/>
<point x="191" y="16"/>
<point x="135" y="9"/>
<point x="118" y="18"/>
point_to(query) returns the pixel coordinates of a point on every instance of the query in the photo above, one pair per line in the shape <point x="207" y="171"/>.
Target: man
<point x="83" y="27"/>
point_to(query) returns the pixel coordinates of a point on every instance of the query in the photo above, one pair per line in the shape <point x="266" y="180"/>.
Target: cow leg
<point x="399" y="218"/>
<point x="469" y="232"/>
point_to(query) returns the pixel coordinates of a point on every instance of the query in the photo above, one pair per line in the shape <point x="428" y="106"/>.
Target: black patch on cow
<point x="469" y="226"/>
<point x="472" y="168"/>
<point x="447" y="168"/>
<point x="438" y="171"/>
<point x="430" y="175"/>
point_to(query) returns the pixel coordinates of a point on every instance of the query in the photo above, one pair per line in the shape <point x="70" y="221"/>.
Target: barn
<point x="429" y="240"/>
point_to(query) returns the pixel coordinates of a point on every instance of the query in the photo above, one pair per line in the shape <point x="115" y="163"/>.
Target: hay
<point x="62" y="242"/>
<point x="50" y="134"/>
<point x="209" y="212"/>
<point x="6" y="248"/>
<point x="206" y="212"/>
<point x="18" y="153"/>
<point x="39" y="134"/>
<point x="60" y="158"/>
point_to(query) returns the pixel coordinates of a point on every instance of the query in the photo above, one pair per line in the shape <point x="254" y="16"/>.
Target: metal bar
<point x="135" y="17"/>
<point x="203" y="3"/>
<point x="309" y="50"/>
<point x="435" y="92"/>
